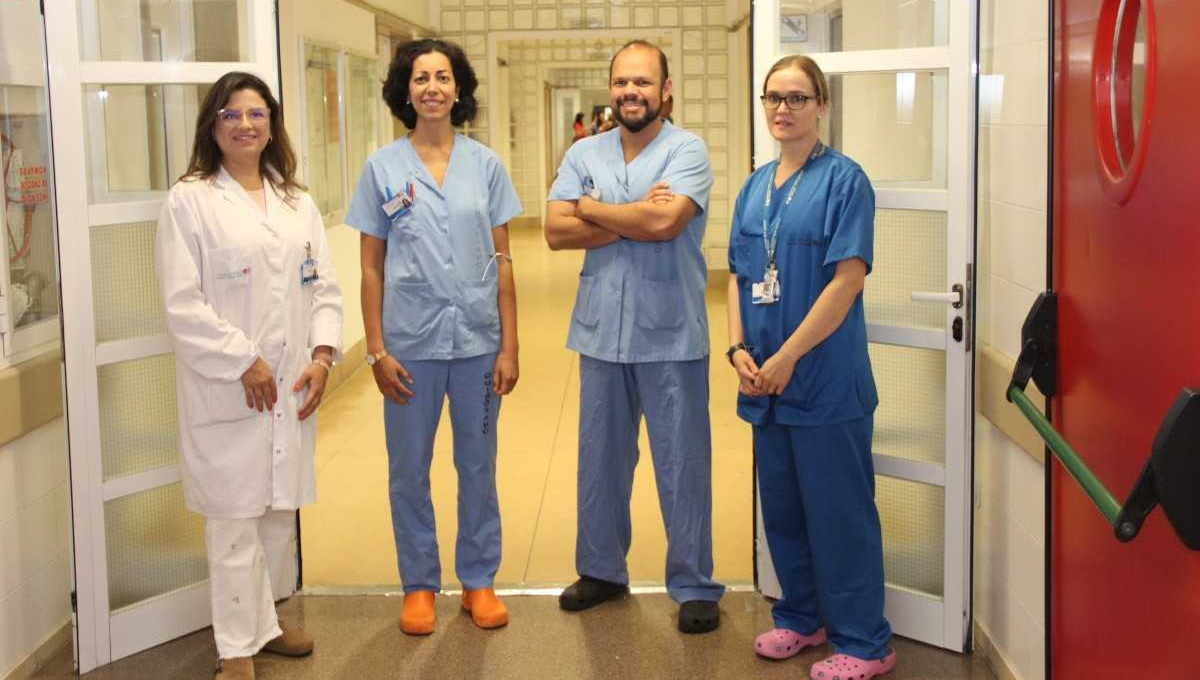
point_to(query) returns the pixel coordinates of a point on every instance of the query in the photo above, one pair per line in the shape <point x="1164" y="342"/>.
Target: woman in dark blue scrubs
<point x="799" y="252"/>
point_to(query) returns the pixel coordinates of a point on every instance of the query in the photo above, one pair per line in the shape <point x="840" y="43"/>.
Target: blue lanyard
<point x="771" y="230"/>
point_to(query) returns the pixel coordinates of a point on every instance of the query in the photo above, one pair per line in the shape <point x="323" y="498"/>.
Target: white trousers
<point x="251" y="564"/>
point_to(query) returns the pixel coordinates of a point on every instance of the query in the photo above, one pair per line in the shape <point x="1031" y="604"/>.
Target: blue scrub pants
<point x="817" y="489"/>
<point x="474" y="408"/>
<point x="673" y="396"/>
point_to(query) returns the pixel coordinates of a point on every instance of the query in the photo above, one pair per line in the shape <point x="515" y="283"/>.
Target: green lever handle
<point x="1092" y="486"/>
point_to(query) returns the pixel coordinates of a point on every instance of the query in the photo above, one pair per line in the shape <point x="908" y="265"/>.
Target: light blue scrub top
<point x="437" y="303"/>
<point x="640" y="301"/>
<point x="830" y="219"/>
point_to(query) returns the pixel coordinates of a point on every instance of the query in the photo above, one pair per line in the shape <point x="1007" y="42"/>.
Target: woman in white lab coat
<point x="255" y="317"/>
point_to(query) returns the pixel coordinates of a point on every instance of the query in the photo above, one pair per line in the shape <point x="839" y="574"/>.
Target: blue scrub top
<point x="640" y="301"/>
<point x="830" y="219"/>
<point x="437" y="303"/>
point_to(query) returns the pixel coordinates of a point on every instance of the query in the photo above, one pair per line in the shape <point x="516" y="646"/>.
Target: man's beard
<point x="636" y="124"/>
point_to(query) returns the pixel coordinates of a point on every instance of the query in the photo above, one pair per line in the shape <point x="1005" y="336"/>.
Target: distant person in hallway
<point x="636" y="201"/>
<point x="799" y="252"/>
<point x="440" y="312"/>
<point x="597" y="121"/>
<point x="578" y="131"/>
<point x="255" y="318"/>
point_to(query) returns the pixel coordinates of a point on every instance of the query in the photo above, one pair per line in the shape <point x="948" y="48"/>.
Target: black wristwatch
<point x="733" y="349"/>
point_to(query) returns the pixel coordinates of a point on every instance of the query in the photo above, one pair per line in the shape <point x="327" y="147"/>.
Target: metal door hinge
<point x="74" y="603"/>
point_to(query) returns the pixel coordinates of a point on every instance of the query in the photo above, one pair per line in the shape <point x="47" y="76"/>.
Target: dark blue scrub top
<point x="830" y="219"/>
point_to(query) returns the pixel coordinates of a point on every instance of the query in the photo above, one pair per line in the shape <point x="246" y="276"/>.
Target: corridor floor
<point x="347" y="538"/>
<point x="630" y="639"/>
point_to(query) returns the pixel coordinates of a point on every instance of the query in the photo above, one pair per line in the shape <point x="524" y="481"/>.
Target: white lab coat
<point x="230" y="281"/>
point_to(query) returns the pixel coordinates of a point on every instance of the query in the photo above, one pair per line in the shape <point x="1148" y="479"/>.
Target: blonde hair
<point x="806" y="64"/>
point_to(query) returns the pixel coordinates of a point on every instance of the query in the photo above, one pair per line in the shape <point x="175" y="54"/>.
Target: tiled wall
<point x="35" y="575"/>
<point x="701" y="76"/>
<point x="1009" y="527"/>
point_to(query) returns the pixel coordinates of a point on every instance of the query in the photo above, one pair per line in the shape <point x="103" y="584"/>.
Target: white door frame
<point x="102" y="635"/>
<point x="944" y="622"/>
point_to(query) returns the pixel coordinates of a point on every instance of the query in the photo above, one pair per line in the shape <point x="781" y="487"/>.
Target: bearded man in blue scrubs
<point x="636" y="200"/>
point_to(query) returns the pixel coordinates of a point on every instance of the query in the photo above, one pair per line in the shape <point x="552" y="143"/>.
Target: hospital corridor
<point x="598" y="339"/>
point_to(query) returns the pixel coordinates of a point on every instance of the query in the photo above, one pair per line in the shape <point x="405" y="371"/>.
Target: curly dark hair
<point x="206" y="155"/>
<point x="395" y="88"/>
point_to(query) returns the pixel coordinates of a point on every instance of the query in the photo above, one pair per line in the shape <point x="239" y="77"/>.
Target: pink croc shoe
<point x="781" y="643"/>
<point x="846" y="667"/>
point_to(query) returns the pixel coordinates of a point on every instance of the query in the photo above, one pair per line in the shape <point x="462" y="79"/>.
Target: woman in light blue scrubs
<point x="440" y="314"/>
<point x="799" y="252"/>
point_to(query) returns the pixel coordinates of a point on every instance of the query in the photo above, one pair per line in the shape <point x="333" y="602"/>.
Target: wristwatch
<point x="372" y="359"/>
<point x="733" y="349"/>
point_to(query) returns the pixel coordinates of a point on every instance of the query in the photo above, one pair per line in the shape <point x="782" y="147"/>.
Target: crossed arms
<point x="587" y="223"/>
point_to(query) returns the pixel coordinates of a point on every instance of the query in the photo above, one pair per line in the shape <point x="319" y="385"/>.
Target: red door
<point x="1126" y="250"/>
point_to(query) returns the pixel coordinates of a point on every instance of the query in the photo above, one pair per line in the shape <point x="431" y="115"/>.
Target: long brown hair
<point x="806" y="64"/>
<point x="206" y="155"/>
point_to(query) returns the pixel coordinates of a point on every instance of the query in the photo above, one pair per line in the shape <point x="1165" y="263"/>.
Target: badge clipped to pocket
<point x="401" y="203"/>
<point x="590" y="188"/>
<point x="308" y="268"/>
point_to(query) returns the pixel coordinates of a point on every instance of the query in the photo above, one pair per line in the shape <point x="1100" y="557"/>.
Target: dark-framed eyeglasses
<point x="795" y="100"/>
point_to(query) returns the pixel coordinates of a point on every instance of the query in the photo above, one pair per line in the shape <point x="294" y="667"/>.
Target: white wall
<point x="35" y="575"/>
<point x="334" y="23"/>
<point x="1010" y="512"/>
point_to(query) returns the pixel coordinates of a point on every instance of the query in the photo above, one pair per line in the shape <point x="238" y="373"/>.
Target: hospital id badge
<point x="766" y="292"/>
<point x="308" y="271"/>
<point x="399" y="204"/>
<point x="308" y="268"/>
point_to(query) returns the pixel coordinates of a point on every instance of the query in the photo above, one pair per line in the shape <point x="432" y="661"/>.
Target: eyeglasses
<point x="233" y="117"/>
<point x="795" y="101"/>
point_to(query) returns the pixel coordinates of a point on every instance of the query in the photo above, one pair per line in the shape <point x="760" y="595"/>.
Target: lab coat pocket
<point x="222" y="401"/>
<point x="660" y="305"/>
<point x="232" y="267"/>
<point x="480" y="304"/>
<point x="587" y="303"/>
<point x="233" y="272"/>
<point x="409" y="309"/>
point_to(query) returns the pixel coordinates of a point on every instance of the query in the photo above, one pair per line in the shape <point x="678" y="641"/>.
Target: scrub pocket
<point x="660" y="305"/>
<point x="409" y="309"/>
<point x="587" y="302"/>
<point x="480" y="304"/>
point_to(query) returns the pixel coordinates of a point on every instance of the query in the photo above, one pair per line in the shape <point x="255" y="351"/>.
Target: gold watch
<point x="372" y="359"/>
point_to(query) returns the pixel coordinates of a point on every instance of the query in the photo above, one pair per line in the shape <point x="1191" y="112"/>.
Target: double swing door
<point x="901" y="75"/>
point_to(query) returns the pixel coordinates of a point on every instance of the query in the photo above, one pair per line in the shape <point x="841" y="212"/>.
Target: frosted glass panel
<point x="893" y="124"/>
<point x="155" y="545"/>
<point x="323" y="155"/>
<point x="911" y="419"/>
<point x="363" y="121"/>
<point x="910" y="255"/>
<point x="139" y="138"/>
<point x="138" y="423"/>
<point x="124" y="287"/>
<point x="165" y="30"/>
<point x="912" y="515"/>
